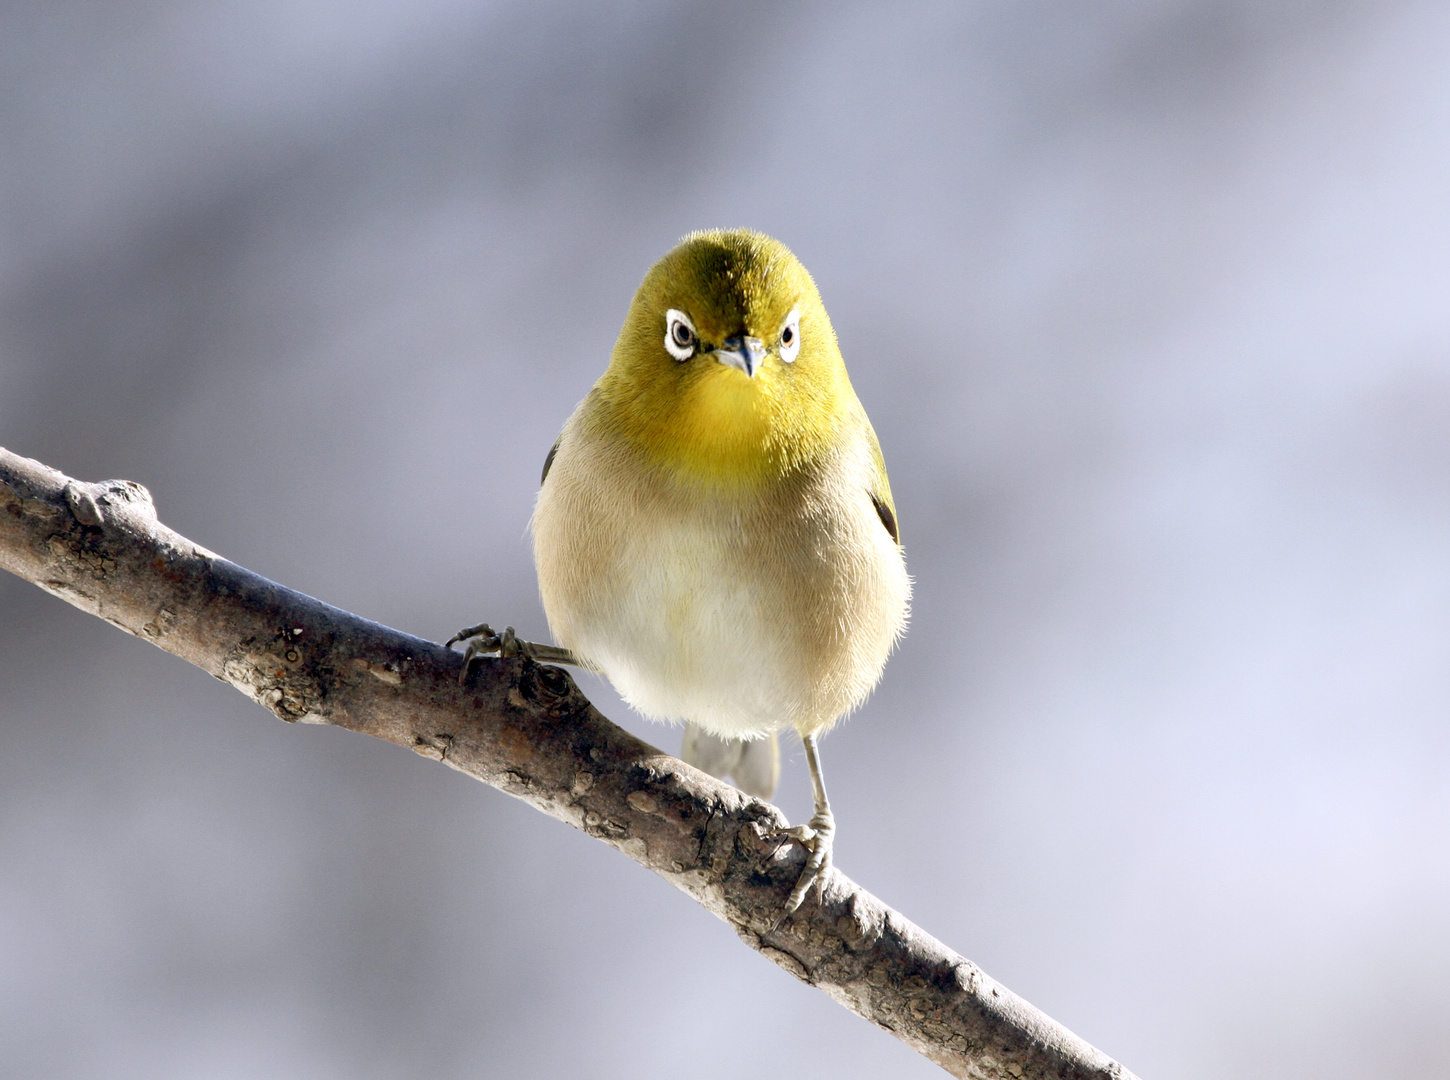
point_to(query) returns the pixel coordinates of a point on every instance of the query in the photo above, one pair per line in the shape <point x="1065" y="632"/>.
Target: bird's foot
<point x="816" y="836"/>
<point x="482" y="640"/>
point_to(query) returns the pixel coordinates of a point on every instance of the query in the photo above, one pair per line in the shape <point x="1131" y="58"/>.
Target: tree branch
<point x="526" y="729"/>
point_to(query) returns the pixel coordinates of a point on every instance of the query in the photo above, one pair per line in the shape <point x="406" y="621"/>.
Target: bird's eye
<point x="790" y="337"/>
<point x="680" y="337"/>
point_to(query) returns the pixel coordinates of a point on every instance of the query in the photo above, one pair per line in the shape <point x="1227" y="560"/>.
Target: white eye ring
<point x="790" y="337"/>
<point x="680" y="337"/>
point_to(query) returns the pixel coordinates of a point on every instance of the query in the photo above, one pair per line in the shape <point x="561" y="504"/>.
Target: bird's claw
<point x="481" y="630"/>
<point x="483" y="640"/>
<point x="816" y="837"/>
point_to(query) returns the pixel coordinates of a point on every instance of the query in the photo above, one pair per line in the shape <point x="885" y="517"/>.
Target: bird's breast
<point x="742" y="610"/>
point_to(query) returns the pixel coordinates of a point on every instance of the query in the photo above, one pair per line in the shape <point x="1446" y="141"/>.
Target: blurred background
<point x="1148" y="303"/>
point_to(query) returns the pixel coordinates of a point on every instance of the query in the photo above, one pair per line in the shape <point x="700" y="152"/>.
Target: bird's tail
<point x="754" y="763"/>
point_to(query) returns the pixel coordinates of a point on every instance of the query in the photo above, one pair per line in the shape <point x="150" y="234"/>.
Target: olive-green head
<point x="727" y="368"/>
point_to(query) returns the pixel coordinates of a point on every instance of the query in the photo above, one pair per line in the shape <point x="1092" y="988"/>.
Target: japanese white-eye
<point x="715" y="531"/>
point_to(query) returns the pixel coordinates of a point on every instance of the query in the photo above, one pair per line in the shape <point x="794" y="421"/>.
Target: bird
<point x="714" y="530"/>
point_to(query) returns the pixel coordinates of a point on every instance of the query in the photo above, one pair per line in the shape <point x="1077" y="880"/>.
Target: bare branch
<point x="527" y="730"/>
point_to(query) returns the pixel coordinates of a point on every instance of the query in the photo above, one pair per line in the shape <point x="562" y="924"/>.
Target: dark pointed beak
<point x="744" y="353"/>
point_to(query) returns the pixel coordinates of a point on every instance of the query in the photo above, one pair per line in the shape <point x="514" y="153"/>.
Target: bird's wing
<point x="886" y="514"/>
<point x="880" y="489"/>
<point x="549" y="461"/>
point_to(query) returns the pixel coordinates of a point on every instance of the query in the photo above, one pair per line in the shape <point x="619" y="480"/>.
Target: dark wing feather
<point x="883" y="511"/>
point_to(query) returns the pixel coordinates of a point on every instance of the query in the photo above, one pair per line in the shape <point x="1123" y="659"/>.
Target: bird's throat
<point x="726" y="431"/>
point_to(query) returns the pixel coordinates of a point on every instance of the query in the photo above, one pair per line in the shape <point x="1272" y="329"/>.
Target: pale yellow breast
<point x="741" y="611"/>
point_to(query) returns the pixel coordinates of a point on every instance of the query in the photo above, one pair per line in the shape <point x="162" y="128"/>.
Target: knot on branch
<point x="279" y="675"/>
<point x="80" y="547"/>
<point x="99" y="504"/>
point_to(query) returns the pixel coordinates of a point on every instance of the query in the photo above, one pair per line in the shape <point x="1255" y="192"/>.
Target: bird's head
<point x="727" y="369"/>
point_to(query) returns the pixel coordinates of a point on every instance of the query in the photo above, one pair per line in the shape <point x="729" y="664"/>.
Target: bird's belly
<point x="741" y="613"/>
<point x="690" y="628"/>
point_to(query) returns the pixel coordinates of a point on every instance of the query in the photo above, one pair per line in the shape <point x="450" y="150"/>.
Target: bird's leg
<point x="481" y="639"/>
<point x="816" y="835"/>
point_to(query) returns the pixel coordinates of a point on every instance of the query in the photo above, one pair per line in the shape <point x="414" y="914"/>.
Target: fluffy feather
<point x="721" y="546"/>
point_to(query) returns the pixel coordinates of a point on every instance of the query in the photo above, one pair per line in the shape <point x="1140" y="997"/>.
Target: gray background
<point x="1148" y="303"/>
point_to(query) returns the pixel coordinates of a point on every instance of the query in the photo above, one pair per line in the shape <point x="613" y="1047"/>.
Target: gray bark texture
<point x="525" y="729"/>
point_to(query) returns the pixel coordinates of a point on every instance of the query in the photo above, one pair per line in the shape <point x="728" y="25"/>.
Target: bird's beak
<point x="744" y="353"/>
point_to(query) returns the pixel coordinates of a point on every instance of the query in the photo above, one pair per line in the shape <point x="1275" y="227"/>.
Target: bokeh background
<point x="1150" y="305"/>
